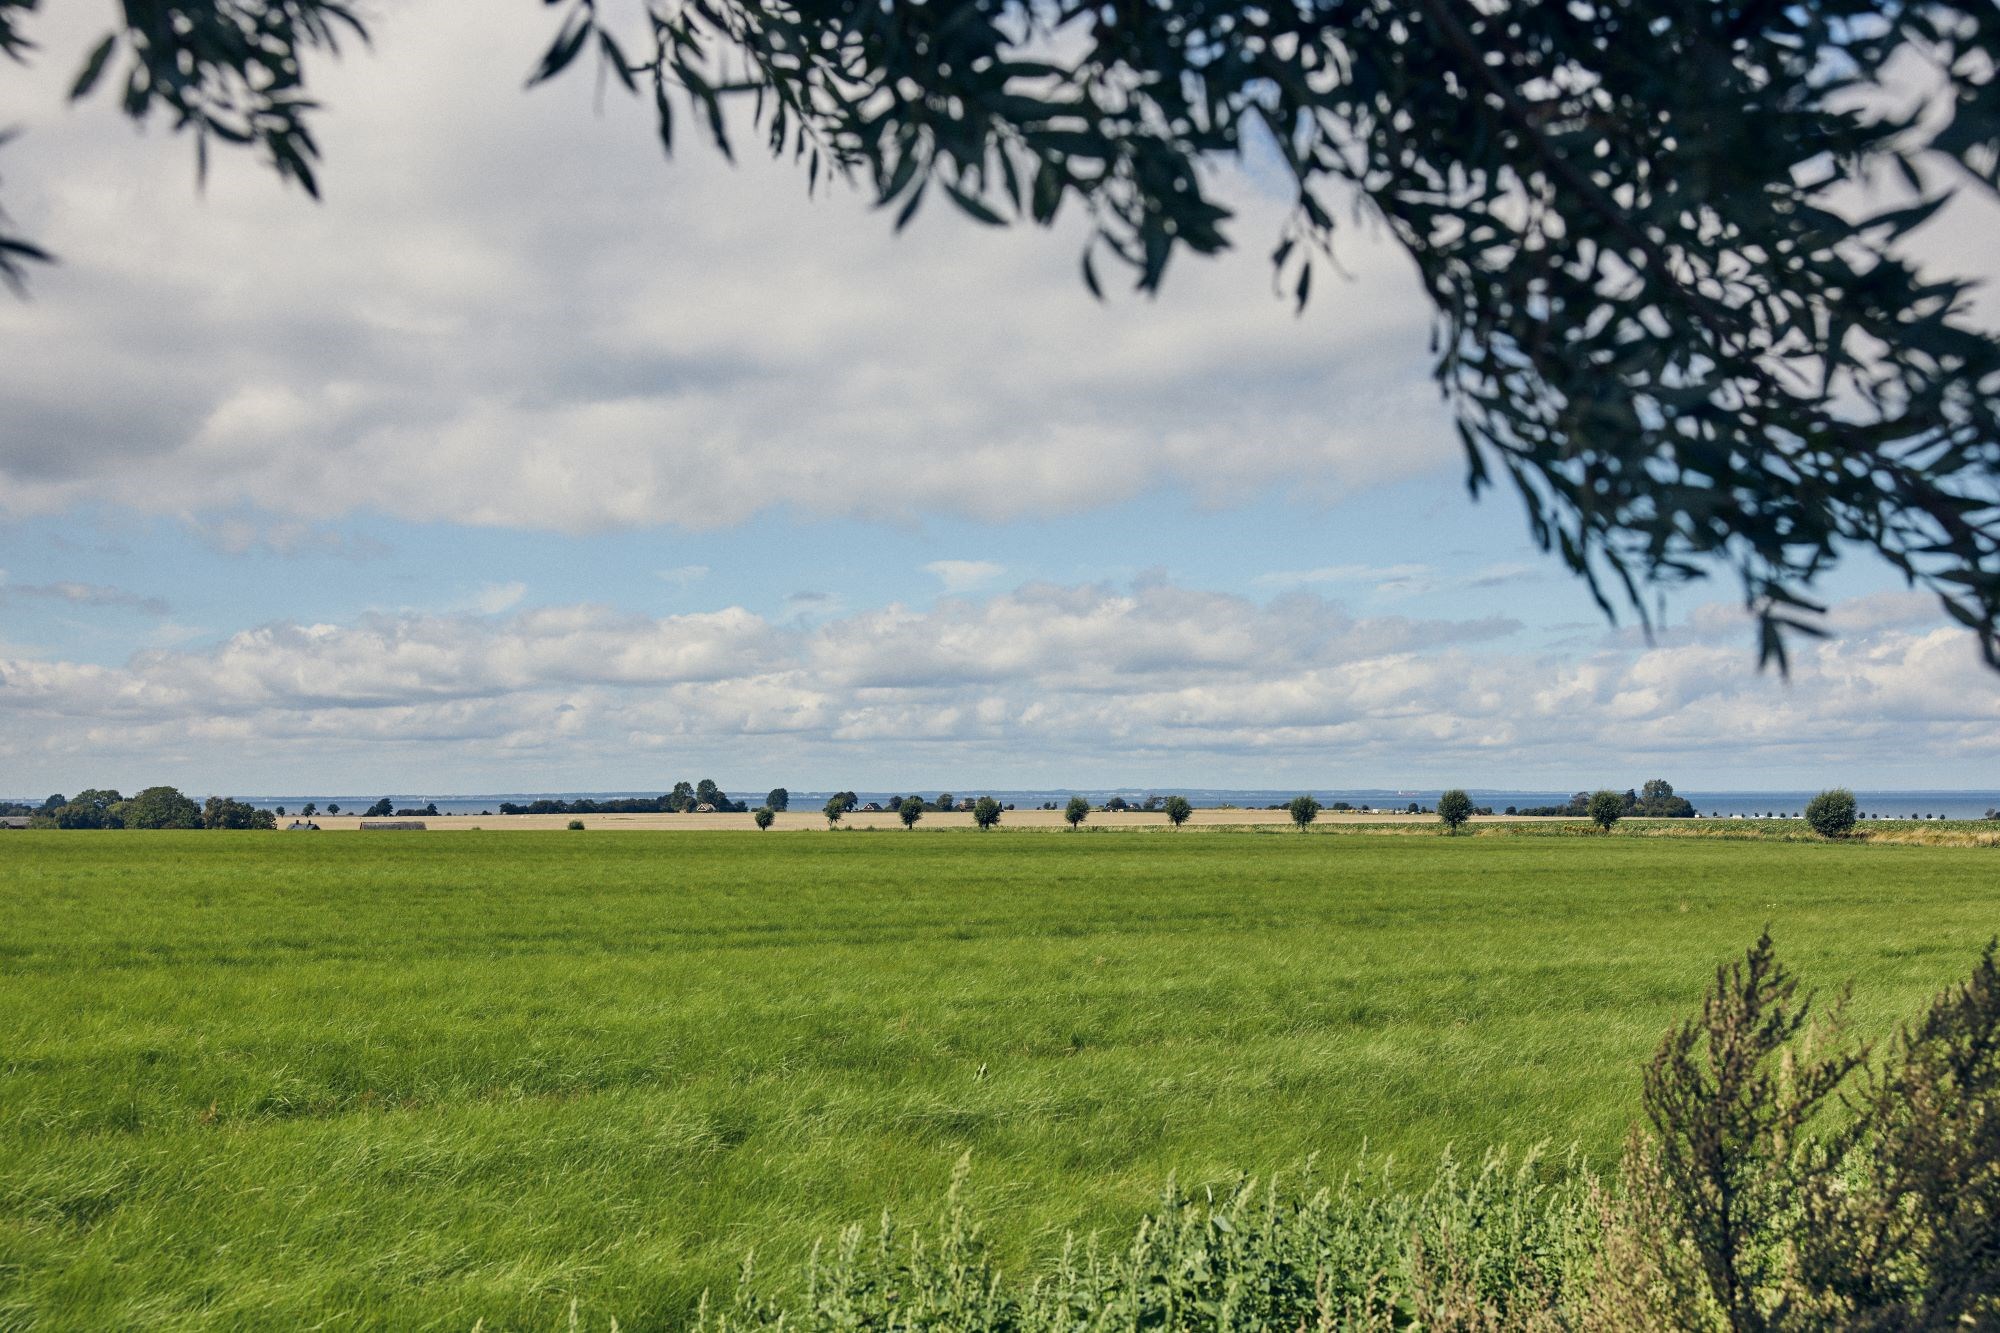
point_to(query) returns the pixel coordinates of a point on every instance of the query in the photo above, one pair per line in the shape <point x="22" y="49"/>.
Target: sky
<point x="529" y="460"/>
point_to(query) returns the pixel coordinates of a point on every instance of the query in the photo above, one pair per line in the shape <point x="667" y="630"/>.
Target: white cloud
<point x="1049" y="682"/>
<point x="965" y="575"/>
<point x="630" y="343"/>
<point x="497" y="597"/>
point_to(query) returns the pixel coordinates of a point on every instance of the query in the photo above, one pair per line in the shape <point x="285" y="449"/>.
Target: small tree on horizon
<point x="836" y="806"/>
<point x="1831" y="813"/>
<point x="1605" y="808"/>
<point x="779" y="799"/>
<point x="1454" y="808"/>
<point x="1178" y="810"/>
<point x="911" y="810"/>
<point x="1076" y="811"/>
<point x="763" y="815"/>
<point x="986" y="812"/>
<point x="1303" y="810"/>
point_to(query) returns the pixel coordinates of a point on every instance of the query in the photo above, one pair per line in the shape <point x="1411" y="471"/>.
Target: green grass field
<point x="417" y="1081"/>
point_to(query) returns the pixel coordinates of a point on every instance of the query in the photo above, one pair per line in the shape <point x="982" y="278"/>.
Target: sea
<point x="1905" y="804"/>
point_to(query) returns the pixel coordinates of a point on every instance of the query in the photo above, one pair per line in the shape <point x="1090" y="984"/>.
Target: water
<point x="1938" y="804"/>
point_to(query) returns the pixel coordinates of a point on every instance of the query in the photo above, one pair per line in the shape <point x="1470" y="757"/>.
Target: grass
<point x="415" y="1081"/>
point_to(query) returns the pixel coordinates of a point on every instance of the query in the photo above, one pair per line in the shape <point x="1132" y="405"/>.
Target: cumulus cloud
<point x="509" y="312"/>
<point x="964" y="575"/>
<point x="1048" y="681"/>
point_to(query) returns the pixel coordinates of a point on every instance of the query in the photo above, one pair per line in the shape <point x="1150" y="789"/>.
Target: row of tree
<point x="153" y="808"/>
<point x="1655" y="800"/>
<point x="685" y="798"/>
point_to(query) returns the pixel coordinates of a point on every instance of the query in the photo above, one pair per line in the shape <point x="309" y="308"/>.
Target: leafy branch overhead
<point x="1665" y="242"/>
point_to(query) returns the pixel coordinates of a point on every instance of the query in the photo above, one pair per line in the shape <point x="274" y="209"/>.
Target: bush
<point x="1076" y="811"/>
<point x="1303" y="810"/>
<point x="762" y="816"/>
<point x="1605" y="809"/>
<point x="575" y="826"/>
<point x="1454" y="808"/>
<point x="911" y="809"/>
<point x="1831" y="813"/>
<point x="986" y="812"/>
<point x="1791" y="1185"/>
<point x="836" y="806"/>
<point x="1178" y="810"/>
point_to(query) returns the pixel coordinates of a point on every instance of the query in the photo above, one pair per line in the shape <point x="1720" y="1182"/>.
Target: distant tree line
<point x="1656" y="800"/>
<point x="153" y="808"/>
<point x="685" y="798"/>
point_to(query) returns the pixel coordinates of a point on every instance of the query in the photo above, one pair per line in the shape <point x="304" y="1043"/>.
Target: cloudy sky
<point x="530" y="461"/>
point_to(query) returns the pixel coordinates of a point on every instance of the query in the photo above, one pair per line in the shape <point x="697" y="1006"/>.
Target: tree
<point x="54" y="803"/>
<point x="382" y="809"/>
<point x="911" y="810"/>
<point x="332" y="808"/>
<point x="163" y="807"/>
<point x="1605" y="808"/>
<point x="1651" y="289"/>
<point x="681" y="799"/>
<point x="1178" y="810"/>
<point x="835" y="808"/>
<point x="92" y="808"/>
<point x="763" y="816"/>
<point x="1657" y="800"/>
<point x="1831" y="813"/>
<point x="1454" y="808"/>
<point x="309" y="809"/>
<point x="226" y="812"/>
<point x="1303" y="810"/>
<point x="986" y="812"/>
<point x="1076" y="811"/>
<point x="779" y="800"/>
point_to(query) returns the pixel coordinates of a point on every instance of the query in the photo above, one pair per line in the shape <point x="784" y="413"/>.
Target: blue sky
<point x="528" y="461"/>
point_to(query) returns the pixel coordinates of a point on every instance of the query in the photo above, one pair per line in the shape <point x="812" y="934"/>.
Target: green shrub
<point x="763" y="816"/>
<point x="1177" y="810"/>
<point x="986" y="812"/>
<point x="1831" y="813"/>
<point x="575" y="825"/>
<point x="1076" y="811"/>
<point x="1454" y="808"/>
<point x="1303" y="810"/>
<point x="1605" y="809"/>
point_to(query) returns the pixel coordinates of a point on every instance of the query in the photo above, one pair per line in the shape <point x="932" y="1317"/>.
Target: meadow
<point x="399" y="1080"/>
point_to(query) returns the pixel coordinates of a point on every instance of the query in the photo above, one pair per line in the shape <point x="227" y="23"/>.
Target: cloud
<point x="82" y="594"/>
<point x="1049" y="681"/>
<point x="497" y="597"/>
<point x="965" y="575"/>
<point x="627" y="343"/>
<point x="682" y="575"/>
<point x="1388" y="580"/>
